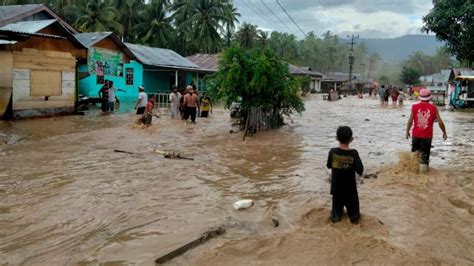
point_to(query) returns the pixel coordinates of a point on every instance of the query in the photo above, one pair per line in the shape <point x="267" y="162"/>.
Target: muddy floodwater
<point x="67" y="198"/>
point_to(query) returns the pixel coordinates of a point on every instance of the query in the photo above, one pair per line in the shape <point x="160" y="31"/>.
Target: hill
<point x="398" y="49"/>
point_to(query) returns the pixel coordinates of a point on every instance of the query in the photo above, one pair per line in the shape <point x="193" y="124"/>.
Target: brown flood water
<point x="67" y="198"/>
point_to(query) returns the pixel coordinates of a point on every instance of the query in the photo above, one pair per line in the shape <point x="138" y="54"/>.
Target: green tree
<point x="231" y="17"/>
<point x="155" y="27"/>
<point x="257" y="78"/>
<point x="384" y="80"/>
<point x="410" y="76"/>
<point x="452" y="21"/>
<point x="284" y="45"/>
<point x="96" y="16"/>
<point x="206" y="24"/>
<point x="247" y="36"/>
<point x="129" y="16"/>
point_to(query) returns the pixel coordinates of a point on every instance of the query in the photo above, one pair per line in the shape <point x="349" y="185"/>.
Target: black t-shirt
<point x="344" y="165"/>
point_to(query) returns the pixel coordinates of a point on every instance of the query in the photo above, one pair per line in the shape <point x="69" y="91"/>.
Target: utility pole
<point x="351" y="59"/>
<point x="372" y="61"/>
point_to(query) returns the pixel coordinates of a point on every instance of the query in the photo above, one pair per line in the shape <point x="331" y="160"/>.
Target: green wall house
<point x="163" y="68"/>
<point x="108" y="59"/>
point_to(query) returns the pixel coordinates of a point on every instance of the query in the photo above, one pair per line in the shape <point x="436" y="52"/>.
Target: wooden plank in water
<point x="181" y="250"/>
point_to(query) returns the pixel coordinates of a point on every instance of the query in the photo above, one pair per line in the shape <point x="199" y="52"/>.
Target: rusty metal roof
<point x="207" y="62"/>
<point x="159" y="57"/>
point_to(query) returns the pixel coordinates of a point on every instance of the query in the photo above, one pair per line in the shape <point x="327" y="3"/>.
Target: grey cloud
<point x="364" y="6"/>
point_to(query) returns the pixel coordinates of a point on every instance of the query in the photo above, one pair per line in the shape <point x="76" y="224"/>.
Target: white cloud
<point x="369" y="18"/>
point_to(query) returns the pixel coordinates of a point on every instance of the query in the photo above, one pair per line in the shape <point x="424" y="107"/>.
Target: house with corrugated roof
<point x="315" y="76"/>
<point x="209" y="63"/>
<point x="38" y="53"/>
<point x="162" y="68"/>
<point x="108" y="58"/>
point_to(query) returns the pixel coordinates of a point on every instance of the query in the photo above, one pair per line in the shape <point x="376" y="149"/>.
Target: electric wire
<point x="273" y="13"/>
<point x="258" y="14"/>
<point x="296" y="24"/>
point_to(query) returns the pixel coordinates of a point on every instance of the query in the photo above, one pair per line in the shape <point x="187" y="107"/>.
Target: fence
<point x="162" y="100"/>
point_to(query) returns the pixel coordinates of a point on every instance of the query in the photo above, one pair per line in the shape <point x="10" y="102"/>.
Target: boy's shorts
<point x="424" y="146"/>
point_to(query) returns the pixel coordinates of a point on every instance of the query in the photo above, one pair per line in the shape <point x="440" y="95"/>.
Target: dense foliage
<point x="256" y="78"/>
<point x="187" y="26"/>
<point x="453" y="21"/>
<point x="410" y="76"/>
<point x="427" y="65"/>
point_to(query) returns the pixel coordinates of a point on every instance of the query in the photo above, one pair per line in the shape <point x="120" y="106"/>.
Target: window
<point x="45" y="83"/>
<point x="100" y="79"/>
<point x="129" y="76"/>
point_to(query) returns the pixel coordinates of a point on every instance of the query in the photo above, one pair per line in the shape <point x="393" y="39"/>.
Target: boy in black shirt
<point x="344" y="163"/>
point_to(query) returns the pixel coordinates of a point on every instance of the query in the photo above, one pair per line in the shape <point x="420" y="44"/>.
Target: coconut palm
<point x="231" y="17"/>
<point x="155" y="27"/>
<point x="247" y="35"/>
<point x="98" y="15"/>
<point x="129" y="17"/>
<point x="182" y="11"/>
<point x="206" y="24"/>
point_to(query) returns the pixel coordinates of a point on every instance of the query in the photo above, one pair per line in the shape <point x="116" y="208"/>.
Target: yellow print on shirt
<point x="342" y="162"/>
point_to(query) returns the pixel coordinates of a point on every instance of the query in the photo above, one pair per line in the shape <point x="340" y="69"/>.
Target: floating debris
<point x="243" y="204"/>
<point x="198" y="241"/>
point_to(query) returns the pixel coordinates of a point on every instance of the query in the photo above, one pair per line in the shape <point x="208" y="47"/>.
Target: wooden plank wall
<point x="48" y="63"/>
<point x="6" y="65"/>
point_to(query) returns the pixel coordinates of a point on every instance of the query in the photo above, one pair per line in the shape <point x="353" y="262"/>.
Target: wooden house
<point x="38" y="70"/>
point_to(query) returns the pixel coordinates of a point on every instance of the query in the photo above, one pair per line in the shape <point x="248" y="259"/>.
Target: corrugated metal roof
<point x="28" y="26"/>
<point x="340" y="77"/>
<point x="207" y="62"/>
<point x="88" y="39"/>
<point x="297" y="70"/>
<point x="160" y="57"/>
<point x="9" y="12"/>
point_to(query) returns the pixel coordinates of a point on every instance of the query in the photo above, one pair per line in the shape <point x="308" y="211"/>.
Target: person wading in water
<point x="423" y="115"/>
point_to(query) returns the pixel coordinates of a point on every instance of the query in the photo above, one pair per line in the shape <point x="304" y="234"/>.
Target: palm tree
<point x="129" y="17"/>
<point x="154" y="27"/>
<point x="231" y="17"/>
<point x="205" y="23"/>
<point x="182" y="11"/>
<point x="98" y="15"/>
<point x="247" y="35"/>
<point x="262" y="38"/>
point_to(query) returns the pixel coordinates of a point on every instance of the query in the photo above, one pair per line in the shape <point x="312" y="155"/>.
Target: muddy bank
<point x="68" y="198"/>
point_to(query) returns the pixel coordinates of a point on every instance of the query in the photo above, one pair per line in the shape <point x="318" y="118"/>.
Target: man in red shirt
<point x="423" y="115"/>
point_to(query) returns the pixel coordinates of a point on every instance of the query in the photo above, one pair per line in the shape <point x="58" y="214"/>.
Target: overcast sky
<point x="368" y="18"/>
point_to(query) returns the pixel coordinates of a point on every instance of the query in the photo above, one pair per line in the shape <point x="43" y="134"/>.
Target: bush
<point x="256" y="78"/>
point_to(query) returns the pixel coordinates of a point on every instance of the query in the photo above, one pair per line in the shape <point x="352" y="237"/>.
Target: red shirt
<point x="149" y="106"/>
<point x="424" y="115"/>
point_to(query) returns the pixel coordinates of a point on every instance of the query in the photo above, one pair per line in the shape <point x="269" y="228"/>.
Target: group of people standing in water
<point x="395" y="94"/>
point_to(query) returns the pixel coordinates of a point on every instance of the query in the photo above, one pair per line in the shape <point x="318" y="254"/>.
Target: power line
<point x="271" y="11"/>
<point x="258" y="14"/>
<point x="278" y="2"/>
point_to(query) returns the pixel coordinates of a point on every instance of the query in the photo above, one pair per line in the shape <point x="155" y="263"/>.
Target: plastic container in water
<point x="243" y="204"/>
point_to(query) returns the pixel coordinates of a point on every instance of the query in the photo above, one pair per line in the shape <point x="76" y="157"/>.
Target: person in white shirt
<point x="142" y="101"/>
<point x="112" y="90"/>
<point x="174" y="99"/>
